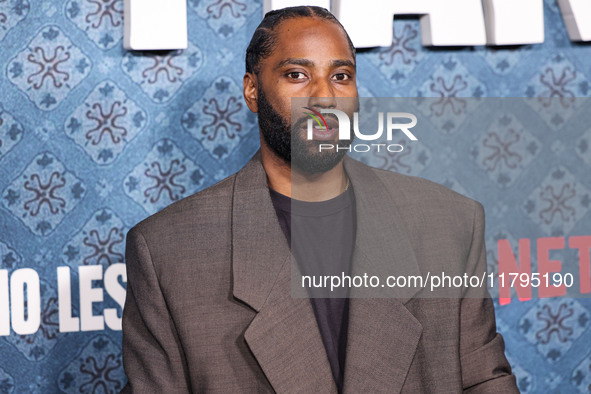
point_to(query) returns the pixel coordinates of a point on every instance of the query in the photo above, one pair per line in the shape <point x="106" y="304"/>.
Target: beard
<point x="294" y="148"/>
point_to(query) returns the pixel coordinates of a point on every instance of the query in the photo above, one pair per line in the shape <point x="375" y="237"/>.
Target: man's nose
<point x="322" y="95"/>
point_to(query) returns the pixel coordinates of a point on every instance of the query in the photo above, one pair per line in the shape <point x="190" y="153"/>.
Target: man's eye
<point x="296" y="75"/>
<point x="342" y="77"/>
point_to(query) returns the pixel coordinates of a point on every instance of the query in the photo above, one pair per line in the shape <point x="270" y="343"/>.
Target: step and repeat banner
<point x="94" y="138"/>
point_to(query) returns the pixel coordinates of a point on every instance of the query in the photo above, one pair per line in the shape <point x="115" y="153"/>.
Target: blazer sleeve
<point x="153" y="357"/>
<point x="485" y="368"/>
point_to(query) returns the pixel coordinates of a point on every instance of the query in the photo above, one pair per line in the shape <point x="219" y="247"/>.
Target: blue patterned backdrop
<point x="94" y="138"/>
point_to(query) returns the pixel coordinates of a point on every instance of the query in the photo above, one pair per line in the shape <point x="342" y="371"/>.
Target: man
<point x="209" y="306"/>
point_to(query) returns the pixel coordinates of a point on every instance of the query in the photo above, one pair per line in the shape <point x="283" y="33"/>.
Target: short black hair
<point x="263" y="39"/>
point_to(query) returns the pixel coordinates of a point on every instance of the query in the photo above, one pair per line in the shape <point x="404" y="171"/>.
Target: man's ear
<point x="249" y="89"/>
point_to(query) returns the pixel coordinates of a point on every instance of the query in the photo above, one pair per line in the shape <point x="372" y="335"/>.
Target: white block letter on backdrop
<point x="90" y="295"/>
<point x="443" y="23"/>
<point x="68" y="323"/>
<point x="577" y="17"/>
<point x="18" y="280"/>
<point x="269" y="5"/>
<point x="510" y="22"/>
<point x="117" y="292"/>
<point x="155" y="24"/>
<point x="4" y="304"/>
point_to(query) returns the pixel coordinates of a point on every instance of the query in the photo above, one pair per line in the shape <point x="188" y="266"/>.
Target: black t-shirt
<point x="321" y="236"/>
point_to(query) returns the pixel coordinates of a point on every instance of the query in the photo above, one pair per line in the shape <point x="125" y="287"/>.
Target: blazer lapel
<point x="283" y="336"/>
<point x="381" y="343"/>
<point x="383" y="335"/>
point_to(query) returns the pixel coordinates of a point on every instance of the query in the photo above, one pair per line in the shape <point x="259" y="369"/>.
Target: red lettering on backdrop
<point x="583" y="243"/>
<point x="508" y="264"/>
<point x="547" y="266"/>
<point x="509" y="267"/>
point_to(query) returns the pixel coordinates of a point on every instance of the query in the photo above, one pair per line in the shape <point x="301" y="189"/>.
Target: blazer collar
<point x="284" y="335"/>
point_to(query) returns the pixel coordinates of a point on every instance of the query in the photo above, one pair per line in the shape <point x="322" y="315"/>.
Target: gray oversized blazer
<point x="209" y="308"/>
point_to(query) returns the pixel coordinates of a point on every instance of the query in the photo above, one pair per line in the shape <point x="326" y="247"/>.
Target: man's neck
<point x="299" y="185"/>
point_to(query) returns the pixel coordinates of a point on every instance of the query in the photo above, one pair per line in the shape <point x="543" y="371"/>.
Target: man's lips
<point x="321" y="132"/>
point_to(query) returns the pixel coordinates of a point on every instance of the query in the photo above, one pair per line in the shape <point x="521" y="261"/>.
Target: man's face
<point x="311" y="59"/>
